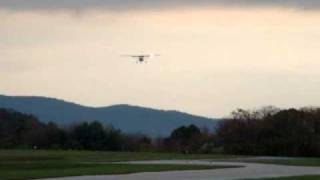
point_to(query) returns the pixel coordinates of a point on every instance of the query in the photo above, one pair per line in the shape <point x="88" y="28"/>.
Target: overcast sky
<point x="217" y="55"/>
<point x="153" y="4"/>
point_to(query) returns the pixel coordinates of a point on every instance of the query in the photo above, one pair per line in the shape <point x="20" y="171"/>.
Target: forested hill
<point x="129" y="119"/>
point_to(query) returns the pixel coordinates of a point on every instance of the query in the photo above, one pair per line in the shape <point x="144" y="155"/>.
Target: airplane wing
<point x="155" y="55"/>
<point x="127" y="55"/>
<point x="135" y="56"/>
<point x="140" y="55"/>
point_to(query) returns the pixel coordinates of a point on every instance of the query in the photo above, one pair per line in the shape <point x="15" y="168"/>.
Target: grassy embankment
<point x="27" y="164"/>
<point x="309" y="177"/>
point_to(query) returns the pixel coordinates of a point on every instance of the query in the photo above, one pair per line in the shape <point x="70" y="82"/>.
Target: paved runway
<point x="249" y="170"/>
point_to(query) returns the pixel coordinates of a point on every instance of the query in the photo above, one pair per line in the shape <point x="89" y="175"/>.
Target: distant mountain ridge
<point x="130" y="119"/>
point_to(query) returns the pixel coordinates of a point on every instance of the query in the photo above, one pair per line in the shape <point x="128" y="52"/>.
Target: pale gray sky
<point x="215" y="58"/>
<point x="150" y="4"/>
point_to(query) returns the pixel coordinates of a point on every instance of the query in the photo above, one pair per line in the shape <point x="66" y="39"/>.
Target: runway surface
<point x="249" y="170"/>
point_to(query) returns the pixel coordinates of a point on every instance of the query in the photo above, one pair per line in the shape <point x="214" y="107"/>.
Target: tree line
<point x="18" y="130"/>
<point x="266" y="131"/>
<point x="271" y="131"/>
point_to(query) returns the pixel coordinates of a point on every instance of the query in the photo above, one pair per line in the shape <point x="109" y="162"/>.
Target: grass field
<point x="310" y="177"/>
<point x="27" y="164"/>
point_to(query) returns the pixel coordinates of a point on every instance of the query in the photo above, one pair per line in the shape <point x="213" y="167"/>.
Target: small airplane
<point x="142" y="57"/>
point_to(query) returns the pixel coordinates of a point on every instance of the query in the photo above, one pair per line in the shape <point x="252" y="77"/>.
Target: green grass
<point x="59" y="169"/>
<point x="99" y="156"/>
<point x="27" y="164"/>
<point x="309" y="177"/>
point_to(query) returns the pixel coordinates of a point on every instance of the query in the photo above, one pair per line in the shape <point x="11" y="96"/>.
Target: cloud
<point x="149" y="4"/>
